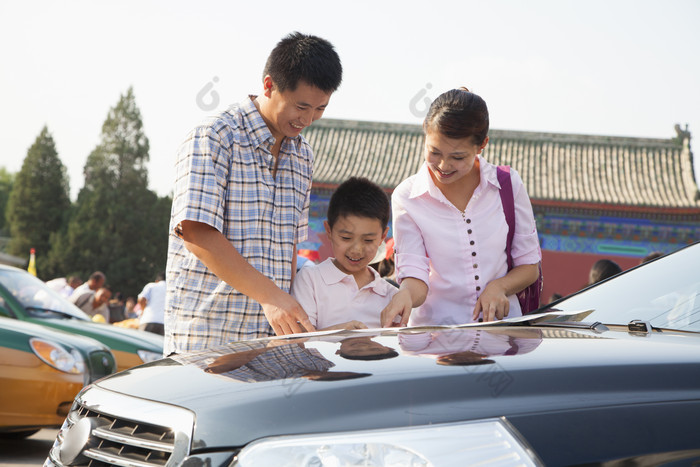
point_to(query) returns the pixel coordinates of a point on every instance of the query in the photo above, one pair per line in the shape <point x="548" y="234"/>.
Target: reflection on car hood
<point x="385" y="378"/>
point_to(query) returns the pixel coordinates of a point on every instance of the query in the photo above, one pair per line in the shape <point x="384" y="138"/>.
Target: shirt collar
<point x="488" y="173"/>
<point x="425" y="184"/>
<point x="258" y="131"/>
<point x="332" y="275"/>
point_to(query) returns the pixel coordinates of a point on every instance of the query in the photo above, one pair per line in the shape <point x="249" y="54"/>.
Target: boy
<point x="343" y="292"/>
<point x="240" y="206"/>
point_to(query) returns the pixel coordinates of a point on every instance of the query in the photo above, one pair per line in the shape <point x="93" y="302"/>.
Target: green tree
<point x="7" y="179"/>
<point x="117" y="225"/>
<point x="38" y="201"/>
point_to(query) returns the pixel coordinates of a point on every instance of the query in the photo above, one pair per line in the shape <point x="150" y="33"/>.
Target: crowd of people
<point x="97" y="300"/>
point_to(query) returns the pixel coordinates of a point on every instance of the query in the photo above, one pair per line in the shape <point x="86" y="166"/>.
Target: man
<point x="241" y="202"/>
<point x="96" y="280"/>
<point x="65" y="286"/>
<point x="94" y="303"/>
<point x="152" y="302"/>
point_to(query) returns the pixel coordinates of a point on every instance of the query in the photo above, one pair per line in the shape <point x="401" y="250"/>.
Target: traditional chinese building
<point x="593" y="196"/>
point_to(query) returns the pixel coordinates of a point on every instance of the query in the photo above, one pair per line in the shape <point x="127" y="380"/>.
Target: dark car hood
<point x="287" y="386"/>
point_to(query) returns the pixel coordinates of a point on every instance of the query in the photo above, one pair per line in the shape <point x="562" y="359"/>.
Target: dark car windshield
<point x="664" y="292"/>
<point x="36" y="297"/>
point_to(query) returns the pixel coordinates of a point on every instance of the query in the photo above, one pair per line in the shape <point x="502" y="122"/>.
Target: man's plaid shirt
<point x="224" y="178"/>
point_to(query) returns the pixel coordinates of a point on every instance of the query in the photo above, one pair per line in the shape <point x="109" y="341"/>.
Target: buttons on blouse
<point x="472" y="243"/>
<point x="477" y="337"/>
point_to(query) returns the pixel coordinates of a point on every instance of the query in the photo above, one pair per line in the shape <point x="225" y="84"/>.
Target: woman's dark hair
<point x="388" y="353"/>
<point x="360" y="197"/>
<point x="459" y="114"/>
<point x="300" y="57"/>
<point x="602" y="269"/>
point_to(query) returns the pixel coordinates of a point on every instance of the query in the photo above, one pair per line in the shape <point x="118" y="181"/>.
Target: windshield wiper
<point x="596" y="326"/>
<point x="639" y="326"/>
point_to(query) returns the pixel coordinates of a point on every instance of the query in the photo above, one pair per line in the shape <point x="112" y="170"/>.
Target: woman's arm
<point x="411" y="262"/>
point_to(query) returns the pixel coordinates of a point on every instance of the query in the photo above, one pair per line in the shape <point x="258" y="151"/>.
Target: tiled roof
<point x="567" y="168"/>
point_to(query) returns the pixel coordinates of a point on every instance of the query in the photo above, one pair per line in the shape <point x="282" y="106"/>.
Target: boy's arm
<point x="412" y="293"/>
<point x="284" y="314"/>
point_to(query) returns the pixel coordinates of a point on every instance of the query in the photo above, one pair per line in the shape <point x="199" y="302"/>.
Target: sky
<point x="612" y="67"/>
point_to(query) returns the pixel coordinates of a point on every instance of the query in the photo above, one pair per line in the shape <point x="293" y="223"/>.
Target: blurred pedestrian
<point x="96" y="280"/>
<point x="116" y="308"/>
<point x="65" y="285"/>
<point x="152" y="301"/>
<point x="603" y="269"/>
<point x="554" y="297"/>
<point x="95" y="304"/>
<point x="386" y="267"/>
<point x="651" y="256"/>
<point x="130" y="308"/>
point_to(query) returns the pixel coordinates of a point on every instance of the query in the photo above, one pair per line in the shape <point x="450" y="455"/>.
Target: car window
<point x="36" y="297"/>
<point x="664" y="292"/>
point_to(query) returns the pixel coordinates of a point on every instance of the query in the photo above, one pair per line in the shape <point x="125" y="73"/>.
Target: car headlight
<point x="58" y="357"/>
<point x="147" y="356"/>
<point x="479" y="442"/>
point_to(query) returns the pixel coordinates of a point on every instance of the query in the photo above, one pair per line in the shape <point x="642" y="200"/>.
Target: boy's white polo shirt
<point x="329" y="296"/>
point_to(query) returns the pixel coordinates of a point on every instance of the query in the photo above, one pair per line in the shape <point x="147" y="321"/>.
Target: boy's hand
<point x="400" y="305"/>
<point x="286" y="316"/>
<point x="492" y="304"/>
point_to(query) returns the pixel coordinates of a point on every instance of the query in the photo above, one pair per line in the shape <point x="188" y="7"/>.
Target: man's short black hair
<point x="360" y="197"/>
<point x="300" y="57"/>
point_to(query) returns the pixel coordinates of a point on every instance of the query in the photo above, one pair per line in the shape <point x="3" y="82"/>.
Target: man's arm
<point x="213" y="249"/>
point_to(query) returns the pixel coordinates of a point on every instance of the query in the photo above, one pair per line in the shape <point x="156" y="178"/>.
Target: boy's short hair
<point x="360" y="197"/>
<point x="300" y="57"/>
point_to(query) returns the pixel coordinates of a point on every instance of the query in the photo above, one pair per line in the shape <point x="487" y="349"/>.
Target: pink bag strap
<point x="506" y="192"/>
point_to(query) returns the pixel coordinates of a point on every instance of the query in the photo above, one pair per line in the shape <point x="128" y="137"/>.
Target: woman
<point x="450" y="229"/>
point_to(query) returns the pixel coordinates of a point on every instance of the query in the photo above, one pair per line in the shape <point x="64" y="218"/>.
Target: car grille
<point x="101" y="364"/>
<point x="120" y="436"/>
